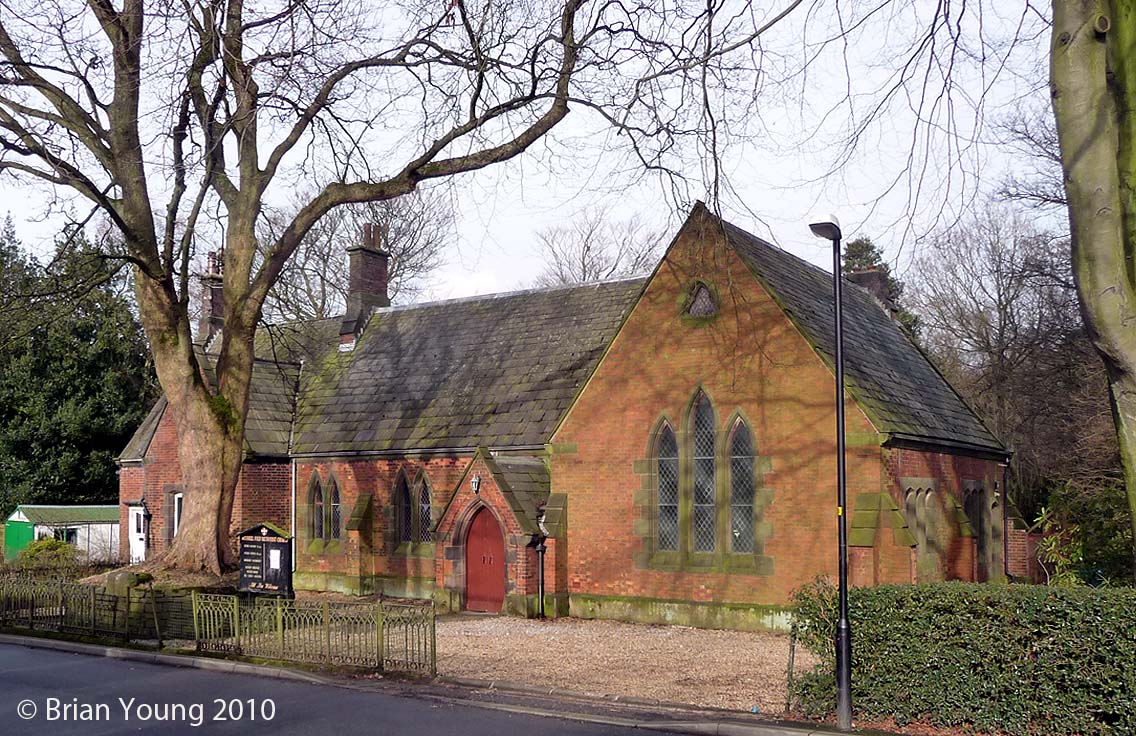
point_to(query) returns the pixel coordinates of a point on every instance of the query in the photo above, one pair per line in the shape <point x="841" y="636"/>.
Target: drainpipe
<point x="540" y="549"/>
<point x="1006" y="519"/>
<point x="293" y="515"/>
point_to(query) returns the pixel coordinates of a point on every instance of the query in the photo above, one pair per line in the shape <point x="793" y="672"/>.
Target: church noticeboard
<point x="265" y="560"/>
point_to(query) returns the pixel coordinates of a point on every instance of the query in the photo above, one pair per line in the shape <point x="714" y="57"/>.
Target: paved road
<point x="82" y="694"/>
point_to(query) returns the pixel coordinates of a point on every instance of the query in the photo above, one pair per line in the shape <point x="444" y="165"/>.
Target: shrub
<point x="1019" y="659"/>
<point x="49" y="555"/>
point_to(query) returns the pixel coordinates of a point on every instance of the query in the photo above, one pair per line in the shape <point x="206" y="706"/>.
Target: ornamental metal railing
<point x="392" y="637"/>
<point x="66" y="607"/>
<point x="380" y="635"/>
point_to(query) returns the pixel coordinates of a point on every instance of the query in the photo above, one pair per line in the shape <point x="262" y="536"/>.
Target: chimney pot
<point x="213" y="297"/>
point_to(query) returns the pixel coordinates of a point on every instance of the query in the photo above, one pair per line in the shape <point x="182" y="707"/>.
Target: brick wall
<point x="262" y="493"/>
<point x="948" y="555"/>
<point x="130" y="487"/>
<point x="374" y="551"/>
<point x="1022" y="562"/>
<point x="521" y="567"/>
<point x="751" y="360"/>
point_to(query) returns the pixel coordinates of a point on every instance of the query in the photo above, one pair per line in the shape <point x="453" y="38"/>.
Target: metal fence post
<point x="326" y="632"/>
<point x="154" y="605"/>
<point x="59" y="609"/>
<point x="237" y="623"/>
<point x="280" y="627"/>
<point x="196" y="626"/>
<point x="789" y="678"/>
<point x="379" y="643"/>
<point x="91" y="601"/>
<point x="433" y="641"/>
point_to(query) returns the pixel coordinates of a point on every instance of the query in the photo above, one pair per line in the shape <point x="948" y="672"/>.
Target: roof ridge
<point x="66" y="505"/>
<point x="464" y="299"/>
<point x="504" y="294"/>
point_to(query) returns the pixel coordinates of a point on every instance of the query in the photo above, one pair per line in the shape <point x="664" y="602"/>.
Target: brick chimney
<point x="875" y="283"/>
<point x="368" y="266"/>
<point x="213" y="297"/>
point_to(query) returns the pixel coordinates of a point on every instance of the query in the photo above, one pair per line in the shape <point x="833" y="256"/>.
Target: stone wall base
<point x="337" y="582"/>
<point x="735" y="616"/>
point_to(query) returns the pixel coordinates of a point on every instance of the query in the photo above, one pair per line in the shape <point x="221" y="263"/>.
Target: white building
<point x="92" y="529"/>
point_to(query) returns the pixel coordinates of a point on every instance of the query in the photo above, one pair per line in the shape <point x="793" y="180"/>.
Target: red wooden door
<point x="484" y="564"/>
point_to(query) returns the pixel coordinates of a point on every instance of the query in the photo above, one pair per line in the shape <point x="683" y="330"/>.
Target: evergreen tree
<point x="75" y="379"/>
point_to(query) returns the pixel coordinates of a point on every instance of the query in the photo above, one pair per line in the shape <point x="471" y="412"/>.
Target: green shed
<point x="92" y="529"/>
<point x="17" y="536"/>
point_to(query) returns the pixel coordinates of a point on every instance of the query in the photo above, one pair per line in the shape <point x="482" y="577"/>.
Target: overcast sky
<point x="778" y="180"/>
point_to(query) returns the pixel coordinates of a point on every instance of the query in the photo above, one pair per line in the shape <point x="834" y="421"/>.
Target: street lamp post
<point x="830" y="230"/>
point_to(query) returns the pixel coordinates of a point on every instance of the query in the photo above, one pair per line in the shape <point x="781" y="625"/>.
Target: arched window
<point x="315" y="509"/>
<point x="704" y="496"/>
<point x="742" y="489"/>
<point x="667" y="495"/>
<point x="404" y="510"/>
<point x="926" y="515"/>
<point x="424" y="511"/>
<point x="335" y="515"/>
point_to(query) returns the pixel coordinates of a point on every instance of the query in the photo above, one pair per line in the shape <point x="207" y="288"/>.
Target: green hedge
<point x="1016" y="659"/>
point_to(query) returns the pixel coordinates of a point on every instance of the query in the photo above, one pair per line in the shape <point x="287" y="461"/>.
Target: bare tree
<point x="161" y="114"/>
<point x="594" y="247"/>
<point x="943" y="60"/>
<point x="415" y="229"/>
<point x="999" y="313"/>
<point x="1037" y="179"/>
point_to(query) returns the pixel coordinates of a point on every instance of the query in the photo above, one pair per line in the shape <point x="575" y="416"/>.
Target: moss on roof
<point x="501" y="370"/>
<point x="497" y="371"/>
<point x="886" y="373"/>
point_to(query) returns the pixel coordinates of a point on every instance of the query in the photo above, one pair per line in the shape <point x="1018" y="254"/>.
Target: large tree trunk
<point x="209" y="417"/>
<point x="210" y="463"/>
<point x="1093" y="78"/>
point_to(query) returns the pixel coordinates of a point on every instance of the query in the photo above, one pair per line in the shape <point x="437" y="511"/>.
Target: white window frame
<point x="179" y="506"/>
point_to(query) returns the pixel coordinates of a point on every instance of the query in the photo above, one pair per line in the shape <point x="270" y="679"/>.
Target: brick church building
<point x="657" y="449"/>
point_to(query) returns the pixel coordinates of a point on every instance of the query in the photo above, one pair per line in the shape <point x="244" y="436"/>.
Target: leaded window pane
<point x="704" y="511"/>
<point x="405" y="521"/>
<point x="335" y="513"/>
<point x="668" y="490"/>
<point x="317" y="512"/>
<point x="424" y="513"/>
<point x="702" y="303"/>
<point x="909" y="504"/>
<point x="742" y="489"/>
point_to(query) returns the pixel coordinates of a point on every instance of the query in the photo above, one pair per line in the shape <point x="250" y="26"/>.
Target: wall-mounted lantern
<point x="475" y="484"/>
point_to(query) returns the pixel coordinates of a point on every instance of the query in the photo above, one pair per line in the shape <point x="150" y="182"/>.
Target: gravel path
<point x="722" y="669"/>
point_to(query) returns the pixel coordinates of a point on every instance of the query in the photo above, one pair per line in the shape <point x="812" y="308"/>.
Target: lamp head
<point x="828" y="229"/>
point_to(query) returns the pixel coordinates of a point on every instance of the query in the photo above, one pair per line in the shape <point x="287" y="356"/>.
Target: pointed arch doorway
<point x="484" y="564"/>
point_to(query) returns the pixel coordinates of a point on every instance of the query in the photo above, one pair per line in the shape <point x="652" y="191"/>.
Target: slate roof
<point x="497" y="371"/>
<point x="62" y="515"/>
<point x="525" y="484"/>
<point x="888" y="376"/>
<point x="269" y="424"/>
<point x="140" y="441"/>
<point x="501" y="370"/>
